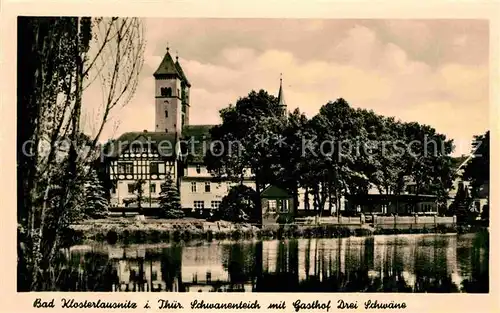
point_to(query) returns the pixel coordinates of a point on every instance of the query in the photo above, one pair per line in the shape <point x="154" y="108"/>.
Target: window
<point x="125" y="168"/>
<point x="166" y="113"/>
<point x="198" y="169"/>
<point x="178" y="92"/>
<point x="130" y="188"/>
<point x="193" y="186"/>
<point x="207" y="186"/>
<point x="284" y="206"/>
<point x="215" y="204"/>
<point x="271" y="205"/>
<point x="152" y="188"/>
<point x="166" y="130"/>
<point x="166" y="92"/>
<point x="199" y="205"/>
<point x="153" y="168"/>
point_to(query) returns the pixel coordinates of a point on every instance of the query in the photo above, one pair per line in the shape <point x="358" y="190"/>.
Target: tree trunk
<point x="330" y="202"/>
<point x="295" y="199"/>
<point x="258" y="205"/>
<point x="306" y="199"/>
<point x="316" y="198"/>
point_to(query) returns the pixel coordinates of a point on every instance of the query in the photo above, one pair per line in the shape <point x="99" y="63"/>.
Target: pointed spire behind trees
<point x="281" y="96"/>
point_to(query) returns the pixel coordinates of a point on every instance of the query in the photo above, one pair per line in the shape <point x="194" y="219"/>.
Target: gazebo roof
<point x="274" y="192"/>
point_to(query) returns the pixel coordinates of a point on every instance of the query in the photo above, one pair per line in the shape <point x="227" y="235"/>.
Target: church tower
<point x="281" y="96"/>
<point x="171" y="96"/>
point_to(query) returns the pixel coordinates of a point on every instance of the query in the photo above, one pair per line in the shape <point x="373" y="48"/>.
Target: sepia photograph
<point x="253" y="155"/>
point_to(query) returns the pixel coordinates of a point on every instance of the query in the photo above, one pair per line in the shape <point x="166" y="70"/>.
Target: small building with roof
<point x="277" y="206"/>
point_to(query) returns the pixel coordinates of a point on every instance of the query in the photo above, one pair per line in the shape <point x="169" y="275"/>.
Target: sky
<point x="431" y="71"/>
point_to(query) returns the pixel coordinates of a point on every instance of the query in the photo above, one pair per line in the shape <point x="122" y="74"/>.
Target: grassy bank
<point x="123" y="230"/>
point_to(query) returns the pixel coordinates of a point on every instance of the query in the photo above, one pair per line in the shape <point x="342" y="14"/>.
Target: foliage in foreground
<point x="61" y="57"/>
<point x="239" y="205"/>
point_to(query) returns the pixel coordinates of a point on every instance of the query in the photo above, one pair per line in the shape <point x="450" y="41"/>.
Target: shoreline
<point x="128" y="231"/>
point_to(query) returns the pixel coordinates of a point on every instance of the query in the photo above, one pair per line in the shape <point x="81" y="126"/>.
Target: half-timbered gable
<point x="147" y="156"/>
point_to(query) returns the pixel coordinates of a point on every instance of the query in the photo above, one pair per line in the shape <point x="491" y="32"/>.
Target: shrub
<point x="170" y="206"/>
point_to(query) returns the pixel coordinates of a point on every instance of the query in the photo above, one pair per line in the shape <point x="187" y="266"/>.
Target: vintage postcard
<point x="178" y="156"/>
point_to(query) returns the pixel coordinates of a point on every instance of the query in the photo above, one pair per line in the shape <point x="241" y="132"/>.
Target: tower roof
<point x="167" y="67"/>
<point x="281" y="96"/>
<point x="181" y="72"/>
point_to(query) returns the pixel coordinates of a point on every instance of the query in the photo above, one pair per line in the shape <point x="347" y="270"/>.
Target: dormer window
<point x="198" y="169"/>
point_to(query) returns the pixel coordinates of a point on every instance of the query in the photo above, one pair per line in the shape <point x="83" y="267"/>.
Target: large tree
<point x="239" y="204"/>
<point x="341" y="150"/>
<point x="337" y="127"/>
<point x="477" y="170"/>
<point x="428" y="160"/>
<point x="291" y="163"/>
<point x="58" y="58"/>
<point x="247" y="138"/>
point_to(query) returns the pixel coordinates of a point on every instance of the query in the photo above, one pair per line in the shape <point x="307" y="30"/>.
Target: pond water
<point x="393" y="263"/>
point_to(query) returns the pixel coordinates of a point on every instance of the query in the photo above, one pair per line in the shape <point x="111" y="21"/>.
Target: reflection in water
<point x="396" y="263"/>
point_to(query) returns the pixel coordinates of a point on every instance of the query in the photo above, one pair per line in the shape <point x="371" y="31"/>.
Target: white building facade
<point x="200" y="191"/>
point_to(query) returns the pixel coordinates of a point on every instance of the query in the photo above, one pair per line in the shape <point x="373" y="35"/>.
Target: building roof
<point x="167" y="67"/>
<point x="201" y="136"/>
<point x="165" y="142"/>
<point x="273" y="191"/>
<point x="161" y="141"/>
<point x="197" y="130"/>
